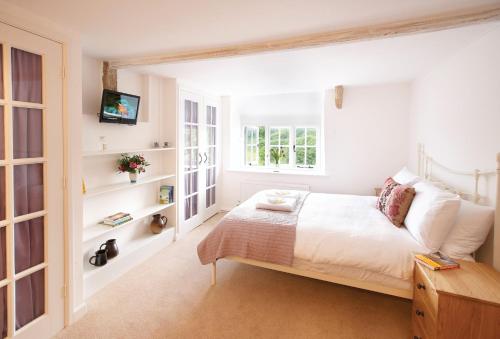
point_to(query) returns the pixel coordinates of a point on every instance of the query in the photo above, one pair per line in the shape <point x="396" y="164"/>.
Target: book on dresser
<point x="436" y="261"/>
<point x="117" y="219"/>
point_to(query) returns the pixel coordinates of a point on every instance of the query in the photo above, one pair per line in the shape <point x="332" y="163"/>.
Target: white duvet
<point x="348" y="230"/>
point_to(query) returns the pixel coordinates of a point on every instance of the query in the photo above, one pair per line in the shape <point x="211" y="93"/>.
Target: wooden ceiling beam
<point x="379" y="31"/>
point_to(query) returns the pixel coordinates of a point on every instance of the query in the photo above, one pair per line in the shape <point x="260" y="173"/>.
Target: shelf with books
<point x="89" y="154"/>
<point x="95" y="231"/>
<point x="91" y="192"/>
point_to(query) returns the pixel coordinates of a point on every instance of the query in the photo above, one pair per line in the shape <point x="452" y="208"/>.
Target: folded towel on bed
<point x="283" y="193"/>
<point x="276" y="203"/>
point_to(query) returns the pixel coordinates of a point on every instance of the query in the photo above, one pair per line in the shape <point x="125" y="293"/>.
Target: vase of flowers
<point x="133" y="165"/>
<point x="277" y="154"/>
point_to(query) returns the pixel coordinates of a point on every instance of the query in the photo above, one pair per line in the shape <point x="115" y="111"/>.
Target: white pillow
<point x="406" y="177"/>
<point x="432" y="214"/>
<point x="470" y="231"/>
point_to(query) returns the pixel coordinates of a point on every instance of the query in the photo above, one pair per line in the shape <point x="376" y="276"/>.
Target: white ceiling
<point x="378" y="61"/>
<point x="124" y="28"/>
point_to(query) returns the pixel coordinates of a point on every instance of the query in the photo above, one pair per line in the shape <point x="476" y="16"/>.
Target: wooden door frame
<point x="71" y="61"/>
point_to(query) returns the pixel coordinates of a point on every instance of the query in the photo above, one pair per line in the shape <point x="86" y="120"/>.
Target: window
<point x="255" y="146"/>
<point x="292" y="147"/>
<point x="279" y="145"/>
<point x="305" y="146"/>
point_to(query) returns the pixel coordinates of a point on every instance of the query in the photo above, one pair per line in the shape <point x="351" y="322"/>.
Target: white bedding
<point x="348" y="230"/>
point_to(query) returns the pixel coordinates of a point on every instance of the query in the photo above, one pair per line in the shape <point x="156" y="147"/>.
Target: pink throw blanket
<point x="252" y="233"/>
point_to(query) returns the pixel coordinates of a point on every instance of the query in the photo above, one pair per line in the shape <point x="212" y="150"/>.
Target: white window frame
<point x="253" y="162"/>
<point x="292" y="142"/>
<point x="305" y="146"/>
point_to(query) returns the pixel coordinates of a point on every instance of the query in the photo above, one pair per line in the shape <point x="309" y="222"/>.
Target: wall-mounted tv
<point x="120" y="108"/>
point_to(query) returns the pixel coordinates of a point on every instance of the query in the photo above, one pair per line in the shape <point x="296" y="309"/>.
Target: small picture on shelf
<point x="166" y="194"/>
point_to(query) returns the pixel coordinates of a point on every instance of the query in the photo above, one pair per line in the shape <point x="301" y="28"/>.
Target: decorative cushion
<point x="395" y="201"/>
<point x="470" y="230"/>
<point x="432" y="215"/>
<point x="406" y="177"/>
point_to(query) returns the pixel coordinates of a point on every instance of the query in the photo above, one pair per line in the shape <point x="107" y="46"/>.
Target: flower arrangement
<point x="277" y="154"/>
<point x="132" y="164"/>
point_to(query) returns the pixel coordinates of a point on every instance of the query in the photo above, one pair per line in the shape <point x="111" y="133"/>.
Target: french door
<point x="31" y="185"/>
<point x="199" y="158"/>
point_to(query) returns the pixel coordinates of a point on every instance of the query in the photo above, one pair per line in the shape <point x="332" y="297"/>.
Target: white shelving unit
<point x="87" y="154"/>
<point x="92" y="232"/>
<point x="126" y="185"/>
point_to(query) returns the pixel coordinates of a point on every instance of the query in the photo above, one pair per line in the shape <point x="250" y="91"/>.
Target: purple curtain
<point x="28" y="185"/>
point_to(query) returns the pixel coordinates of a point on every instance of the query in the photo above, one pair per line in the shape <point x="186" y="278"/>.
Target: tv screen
<point x="119" y="107"/>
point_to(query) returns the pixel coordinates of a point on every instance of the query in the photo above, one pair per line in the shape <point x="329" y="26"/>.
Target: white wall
<point x="456" y="113"/>
<point x="156" y="122"/>
<point x="366" y="141"/>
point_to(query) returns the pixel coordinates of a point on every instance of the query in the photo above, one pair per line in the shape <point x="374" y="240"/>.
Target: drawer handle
<point x="415" y="337"/>
<point x="421" y="286"/>
<point x="419" y="313"/>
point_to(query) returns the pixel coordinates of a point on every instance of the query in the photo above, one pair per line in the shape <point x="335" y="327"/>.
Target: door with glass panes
<point x="31" y="185"/>
<point x="199" y="159"/>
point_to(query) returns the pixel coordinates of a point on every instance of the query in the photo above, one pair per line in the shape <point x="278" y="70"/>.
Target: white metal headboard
<point x="426" y="164"/>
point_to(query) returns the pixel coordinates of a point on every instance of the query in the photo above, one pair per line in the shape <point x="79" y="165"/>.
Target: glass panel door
<point x="192" y="158"/>
<point x="210" y="155"/>
<point x="31" y="222"/>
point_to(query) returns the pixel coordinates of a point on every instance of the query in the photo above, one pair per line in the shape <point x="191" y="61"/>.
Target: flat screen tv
<point x="120" y="108"/>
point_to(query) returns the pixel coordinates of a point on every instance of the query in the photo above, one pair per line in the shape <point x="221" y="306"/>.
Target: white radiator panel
<point x="249" y="188"/>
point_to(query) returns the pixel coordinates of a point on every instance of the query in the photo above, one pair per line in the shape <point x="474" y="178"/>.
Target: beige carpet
<point x="170" y="296"/>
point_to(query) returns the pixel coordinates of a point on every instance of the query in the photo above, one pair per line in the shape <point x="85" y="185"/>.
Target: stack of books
<point x="436" y="261"/>
<point x="117" y="219"/>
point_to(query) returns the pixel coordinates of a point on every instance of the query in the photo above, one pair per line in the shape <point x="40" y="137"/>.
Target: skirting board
<point x="374" y="287"/>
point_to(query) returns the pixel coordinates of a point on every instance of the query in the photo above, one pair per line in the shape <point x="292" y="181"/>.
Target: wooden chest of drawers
<point x="455" y="304"/>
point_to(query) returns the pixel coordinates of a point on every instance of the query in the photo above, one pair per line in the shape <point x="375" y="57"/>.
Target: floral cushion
<point x="395" y="201"/>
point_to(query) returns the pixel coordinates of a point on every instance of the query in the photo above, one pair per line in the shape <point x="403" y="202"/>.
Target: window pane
<point x="29" y="243"/>
<point x="28" y="192"/>
<point x="285" y="159"/>
<point x="30" y="298"/>
<point x="187" y="208"/>
<point x="195" y="182"/>
<point x="187" y="135"/>
<point x="262" y="146"/>
<point x="3" y="196"/>
<point x="194" y="135"/>
<point x="311" y="156"/>
<point x="248" y="135"/>
<point x="1" y="76"/>
<point x="26" y="76"/>
<point x="194" y="202"/>
<point x="3" y="253"/>
<point x="195" y="158"/>
<point x="2" y="135"/>
<point x="300" y="136"/>
<point x="214" y="116"/>
<point x="274" y="137"/>
<point x="3" y="311"/>
<point x="248" y="155"/>
<point x="187" y="159"/>
<point x="187" y="111"/>
<point x="213" y="195"/>
<point x="299" y="155"/>
<point x="207" y="198"/>
<point x="187" y="183"/>
<point x="28" y="133"/>
<point x="194" y="113"/>
<point x="284" y="136"/>
<point x="311" y="136"/>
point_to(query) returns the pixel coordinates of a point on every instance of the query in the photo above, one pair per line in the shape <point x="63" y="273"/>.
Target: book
<point x="118" y="221"/>
<point x="116" y="216"/>
<point x="166" y="194"/>
<point x="436" y="261"/>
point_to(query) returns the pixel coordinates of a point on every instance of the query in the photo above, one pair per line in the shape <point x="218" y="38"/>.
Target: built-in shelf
<point x="132" y="247"/>
<point x="114" y="152"/>
<point x="92" y="232"/>
<point x="91" y="192"/>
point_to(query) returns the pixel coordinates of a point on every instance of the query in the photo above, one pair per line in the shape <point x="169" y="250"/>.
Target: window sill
<point x="280" y="171"/>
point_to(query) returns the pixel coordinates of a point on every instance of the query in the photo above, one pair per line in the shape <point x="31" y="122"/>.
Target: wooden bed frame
<point x="425" y="170"/>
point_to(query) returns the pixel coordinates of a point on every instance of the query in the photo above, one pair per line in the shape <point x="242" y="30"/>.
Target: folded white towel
<point x="276" y="203"/>
<point x="283" y="193"/>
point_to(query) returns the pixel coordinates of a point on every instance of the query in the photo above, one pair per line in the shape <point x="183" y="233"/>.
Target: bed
<point x="342" y="239"/>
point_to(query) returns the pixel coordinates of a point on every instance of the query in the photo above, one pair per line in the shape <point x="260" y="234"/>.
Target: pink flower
<point x="133" y="165"/>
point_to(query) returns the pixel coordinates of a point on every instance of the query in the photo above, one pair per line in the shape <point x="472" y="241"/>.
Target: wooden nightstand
<point x="458" y="303"/>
